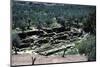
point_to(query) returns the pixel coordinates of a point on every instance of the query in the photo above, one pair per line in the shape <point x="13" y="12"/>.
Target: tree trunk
<point x="64" y="53"/>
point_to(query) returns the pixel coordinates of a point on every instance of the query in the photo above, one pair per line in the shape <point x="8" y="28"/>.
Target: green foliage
<point x="90" y="23"/>
<point x="61" y="20"/>
<point x="22" y="26"/>
<point x="52" y="23"/>
<point x="88" y="47"/>
<point x="44" y="13"/>
<point x="15" y="42"/>
<point x="72" y="51"/>
<point x="15" y="39"/>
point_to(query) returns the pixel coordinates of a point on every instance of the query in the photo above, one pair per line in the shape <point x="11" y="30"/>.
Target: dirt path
<point x="26" y="59"/>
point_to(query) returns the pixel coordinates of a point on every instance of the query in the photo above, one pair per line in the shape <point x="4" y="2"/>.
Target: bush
<point x="90" y="24"/>
<point x="88" y="47"/>
<point x="15" y="42"/>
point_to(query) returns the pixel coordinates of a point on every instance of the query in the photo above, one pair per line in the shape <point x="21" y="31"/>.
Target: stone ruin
<point x="46" y="41"/>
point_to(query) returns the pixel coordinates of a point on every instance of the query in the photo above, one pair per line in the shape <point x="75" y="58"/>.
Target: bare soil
<point x="26" y="59"/>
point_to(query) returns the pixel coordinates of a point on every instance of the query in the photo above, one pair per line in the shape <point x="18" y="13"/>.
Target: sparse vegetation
<point x="88" y="47"/>
<point x="46" y="29"/>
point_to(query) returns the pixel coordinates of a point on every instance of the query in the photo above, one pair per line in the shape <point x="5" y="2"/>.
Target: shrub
<point x="88" y="47"/>
<point x="90" y="24"/>
<point x="15" y="42"/>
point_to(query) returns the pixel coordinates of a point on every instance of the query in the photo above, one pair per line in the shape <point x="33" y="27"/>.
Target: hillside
<point x="52" y="33"/>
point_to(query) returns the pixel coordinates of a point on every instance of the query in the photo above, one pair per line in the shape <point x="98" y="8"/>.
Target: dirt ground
<point x="26" y="59"/>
